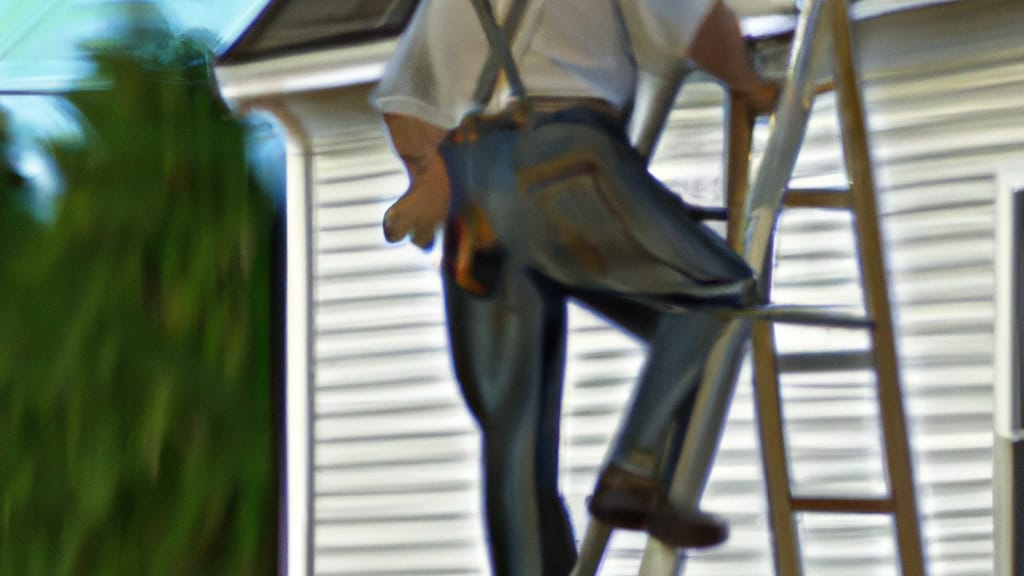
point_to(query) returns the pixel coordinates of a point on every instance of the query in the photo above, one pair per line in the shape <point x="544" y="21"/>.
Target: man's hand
<point x="424" y="206"/>
<point x="719" y="49"/>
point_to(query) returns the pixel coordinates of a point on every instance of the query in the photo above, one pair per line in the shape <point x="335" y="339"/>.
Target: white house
<point x="382" y="456"/>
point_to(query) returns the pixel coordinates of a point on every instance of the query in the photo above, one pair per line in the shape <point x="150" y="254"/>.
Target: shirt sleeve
<point x="433" y="72"/>
<point x="661" y="30"/>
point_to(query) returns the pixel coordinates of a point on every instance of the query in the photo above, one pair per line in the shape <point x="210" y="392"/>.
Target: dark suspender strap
<point x="489" y="74"/>
<point x="500" y="49"/>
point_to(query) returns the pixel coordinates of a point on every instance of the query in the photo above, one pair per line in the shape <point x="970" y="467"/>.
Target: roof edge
<point x="236" y="52"/>
<point x="305" y="72"/>
<point x="257" y="25"/>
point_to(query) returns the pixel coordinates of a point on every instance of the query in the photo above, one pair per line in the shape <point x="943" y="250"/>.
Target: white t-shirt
<point x="570" y="48"/>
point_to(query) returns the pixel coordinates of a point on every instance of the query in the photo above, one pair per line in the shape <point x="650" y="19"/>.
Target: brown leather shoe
<point x="686" y="527"/>
<point x="622" y="499"/>
<point x="630" y="501"/>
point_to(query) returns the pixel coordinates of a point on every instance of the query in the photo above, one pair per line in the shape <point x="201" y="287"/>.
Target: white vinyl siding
<point x="396" y="489"/>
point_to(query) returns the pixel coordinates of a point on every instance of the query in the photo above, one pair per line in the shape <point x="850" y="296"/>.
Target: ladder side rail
<point x="763" y="204"/>
<point x="789" y="125"/>
<point x="873" y="275"/>
<point x="770" y="420"/>
<point x="770" y="417"/>
<point x="768" y="412"/>
<point x="739" y="138"/>
<point x="652" y="106"/>
<point x="592" y="549"/>
<point x="701" y="443"/>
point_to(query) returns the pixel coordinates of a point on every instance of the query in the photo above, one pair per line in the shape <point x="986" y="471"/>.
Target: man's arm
<point x="720" y="50"/>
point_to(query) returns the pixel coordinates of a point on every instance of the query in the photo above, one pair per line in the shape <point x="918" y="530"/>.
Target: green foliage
<point x="18" y="231"/>
<point x="135" y="427"/>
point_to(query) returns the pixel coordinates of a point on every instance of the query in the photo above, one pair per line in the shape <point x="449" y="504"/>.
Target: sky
<point x="39" y="38"/>
<point x="40" y="56"/>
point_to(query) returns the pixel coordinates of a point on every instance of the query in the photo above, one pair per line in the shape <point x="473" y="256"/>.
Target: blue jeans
<point x="579" y="217"/>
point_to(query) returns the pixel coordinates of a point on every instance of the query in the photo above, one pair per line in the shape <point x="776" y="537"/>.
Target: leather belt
<point x="548" y="104"/>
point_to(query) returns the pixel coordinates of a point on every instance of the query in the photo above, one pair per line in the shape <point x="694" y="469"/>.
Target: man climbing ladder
<point x="545" y="199"/>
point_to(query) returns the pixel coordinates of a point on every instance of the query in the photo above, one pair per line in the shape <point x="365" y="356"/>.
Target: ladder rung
<point x="834" y="316"/>
<point x="709" y="212"/>
<point x="817" y="198"/>
<point x="824" y="87"/>
<point x="851" y="505"/>
<point x="825" y="361"/>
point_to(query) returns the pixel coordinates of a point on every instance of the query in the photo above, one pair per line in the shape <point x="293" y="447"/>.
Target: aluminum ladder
<point x="824" y="28"/>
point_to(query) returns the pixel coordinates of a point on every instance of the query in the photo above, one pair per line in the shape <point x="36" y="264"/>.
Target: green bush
<point x="135" y="426"/>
